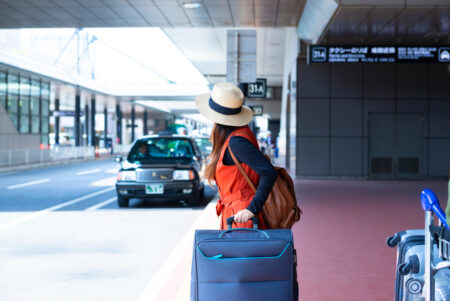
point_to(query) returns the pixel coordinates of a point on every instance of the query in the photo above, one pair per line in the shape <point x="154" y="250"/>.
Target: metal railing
<point x="38" y="156"/>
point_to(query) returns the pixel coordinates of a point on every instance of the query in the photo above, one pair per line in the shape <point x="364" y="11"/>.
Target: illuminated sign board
<point x="257" y="110"/>
<point x="257" y="89"/>
<point x="379" y="54"/>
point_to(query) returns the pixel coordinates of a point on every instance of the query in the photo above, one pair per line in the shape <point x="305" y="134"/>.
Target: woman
<point x="231" y="135"/>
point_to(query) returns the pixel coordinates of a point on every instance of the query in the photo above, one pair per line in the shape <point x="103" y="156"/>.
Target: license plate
<point x="154" y="188"/>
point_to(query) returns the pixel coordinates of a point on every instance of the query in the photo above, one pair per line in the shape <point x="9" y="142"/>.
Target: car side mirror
<point x="118" y="158"/>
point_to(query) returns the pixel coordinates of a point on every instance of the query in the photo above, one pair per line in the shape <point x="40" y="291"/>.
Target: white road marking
<point x="108" y="182"/>
<point x="159" y="280"/>
<point x="86" y="172"/>
<point x="28" y="183"/>
<point x="112" y="170"/>
<point x="50" y="209"/>
<point x="101" y="204"/>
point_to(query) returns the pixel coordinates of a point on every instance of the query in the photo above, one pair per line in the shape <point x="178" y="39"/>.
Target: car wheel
<point x="123" y="202"/>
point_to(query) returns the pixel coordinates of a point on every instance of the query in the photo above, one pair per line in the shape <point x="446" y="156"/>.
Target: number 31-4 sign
<point x="257" y="89"/>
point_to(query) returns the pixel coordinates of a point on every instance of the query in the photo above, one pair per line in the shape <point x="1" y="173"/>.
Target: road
<point x="64" y="237"/>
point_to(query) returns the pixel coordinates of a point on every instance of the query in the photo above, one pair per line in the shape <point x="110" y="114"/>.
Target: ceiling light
<point x="192" y="4"/>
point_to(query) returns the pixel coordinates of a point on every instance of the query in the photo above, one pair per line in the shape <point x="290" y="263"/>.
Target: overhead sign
<point x="65" y="113"/>
<point x="258" y="89"/>
<point x="241" y="56"/>
<point x="379" y="54"/>
<point x="257" y="110"/>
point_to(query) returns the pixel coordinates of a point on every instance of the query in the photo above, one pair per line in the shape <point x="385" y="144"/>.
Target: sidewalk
<point x="340" y="240"/>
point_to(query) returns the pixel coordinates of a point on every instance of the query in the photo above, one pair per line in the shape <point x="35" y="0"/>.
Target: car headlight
<point x="126" y="175"/>
<point x="183" y="175"/>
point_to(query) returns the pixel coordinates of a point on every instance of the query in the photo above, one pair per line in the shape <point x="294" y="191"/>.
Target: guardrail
<point x="38" y="156"/>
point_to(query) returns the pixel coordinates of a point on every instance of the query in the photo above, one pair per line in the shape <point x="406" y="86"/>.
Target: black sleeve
<point x="247" y="153"/>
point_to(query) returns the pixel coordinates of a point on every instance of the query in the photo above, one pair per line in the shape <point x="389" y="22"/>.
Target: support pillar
<point x="133" y="117"/>
<point x="57" y="122"/>
<point x="76" y="126"/>
<point x="119" y="124"/>
<point x="86" y="125"/>
<point x="92" y="139"/>
<point x="105" y="132"/>
<point x="145" y="122"/>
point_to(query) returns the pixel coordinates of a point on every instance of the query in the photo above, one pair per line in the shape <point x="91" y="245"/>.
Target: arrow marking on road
<point x="28" y="183"/>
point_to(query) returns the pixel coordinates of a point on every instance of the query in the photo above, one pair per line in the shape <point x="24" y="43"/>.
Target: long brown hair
<point x="219" y="135"/>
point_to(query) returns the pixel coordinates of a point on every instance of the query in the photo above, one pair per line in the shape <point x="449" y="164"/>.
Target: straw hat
<point x="224" y="105"/>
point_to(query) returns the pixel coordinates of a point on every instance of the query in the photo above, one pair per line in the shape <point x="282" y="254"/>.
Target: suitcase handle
<point x="244" y="229"/>
<point x="254" y="219"/>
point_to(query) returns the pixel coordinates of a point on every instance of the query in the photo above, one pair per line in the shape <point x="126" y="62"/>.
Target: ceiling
<point x="200" y="33"/>
<point x="206" y="49"/>
<point x="144" y="13"/>
<point x="390" y="21"/>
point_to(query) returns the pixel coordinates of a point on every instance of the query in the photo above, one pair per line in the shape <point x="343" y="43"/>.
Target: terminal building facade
<point x="354" y="102"/>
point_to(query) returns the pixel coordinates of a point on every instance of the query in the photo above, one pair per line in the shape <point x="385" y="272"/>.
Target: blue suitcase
<point x="244" y="264"/>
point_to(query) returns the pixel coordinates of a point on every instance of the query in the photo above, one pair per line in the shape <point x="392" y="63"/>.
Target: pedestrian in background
<point x="231" y="136"/>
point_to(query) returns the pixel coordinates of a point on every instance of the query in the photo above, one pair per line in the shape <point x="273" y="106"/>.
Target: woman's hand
<point x="243" y="216"/>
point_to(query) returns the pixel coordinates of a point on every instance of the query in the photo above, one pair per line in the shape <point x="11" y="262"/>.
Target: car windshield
<point x="161" y="148"/>
<point x="204" y="145"/>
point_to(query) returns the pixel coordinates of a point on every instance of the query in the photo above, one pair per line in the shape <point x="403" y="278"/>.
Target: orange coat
<point x="235" y="193"/>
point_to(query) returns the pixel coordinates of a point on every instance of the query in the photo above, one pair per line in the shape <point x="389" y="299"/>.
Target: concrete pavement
<point x="64" y="237"/>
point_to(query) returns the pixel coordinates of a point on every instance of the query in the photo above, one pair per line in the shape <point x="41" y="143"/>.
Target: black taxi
<point x="161" y="167"/>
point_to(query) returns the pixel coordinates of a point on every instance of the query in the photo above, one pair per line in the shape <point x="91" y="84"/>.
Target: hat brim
<point x="241" y="119"/>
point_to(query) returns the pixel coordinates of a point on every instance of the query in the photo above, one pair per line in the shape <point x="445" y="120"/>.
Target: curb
<point x="172" y="280"/>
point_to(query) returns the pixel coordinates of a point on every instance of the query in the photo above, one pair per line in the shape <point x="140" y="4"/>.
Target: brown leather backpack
<point x="280" y="210"/>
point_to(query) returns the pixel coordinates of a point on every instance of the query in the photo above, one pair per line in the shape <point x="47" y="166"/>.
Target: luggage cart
<point x="431" y="206"/>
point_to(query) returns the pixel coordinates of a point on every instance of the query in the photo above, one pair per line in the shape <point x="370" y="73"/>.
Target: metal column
<point x="92" y="134"/>
<point x="133" y="117"/>
<point x="119" y="124"/>
<point x="57" y="122"/>
<point x="105" y="132"/>
<point x="77" y="121"/>
<point x="86" y="125"/>
<point x="145" y="131"/>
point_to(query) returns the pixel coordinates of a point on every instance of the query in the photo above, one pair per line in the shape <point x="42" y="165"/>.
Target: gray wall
<point x="333" y="106"/>
<point x="10" y="137"/>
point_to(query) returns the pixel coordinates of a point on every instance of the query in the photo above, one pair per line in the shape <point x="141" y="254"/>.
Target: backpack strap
<point x="239" y="166"/>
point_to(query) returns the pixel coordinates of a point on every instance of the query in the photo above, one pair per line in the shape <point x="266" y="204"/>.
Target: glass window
<point x="24" y="105"/>
<point x="45" y="90"/>
<point x="35" y="88"/>
<point x="44" y="139"/>
<point x="35" y="124"/>
<point x="44" y="105"/>
<point x="34" y="105"/>
<point x="24" y="86"/>
<point x="158" y="149"/>
<point x="2" y="82"/>
<point x="24" y="123"/>
<point x="13" y="103"/>
<point x="14" y="119"/>
<point x="13" y="84"/>
<point x="44" y="125"/>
